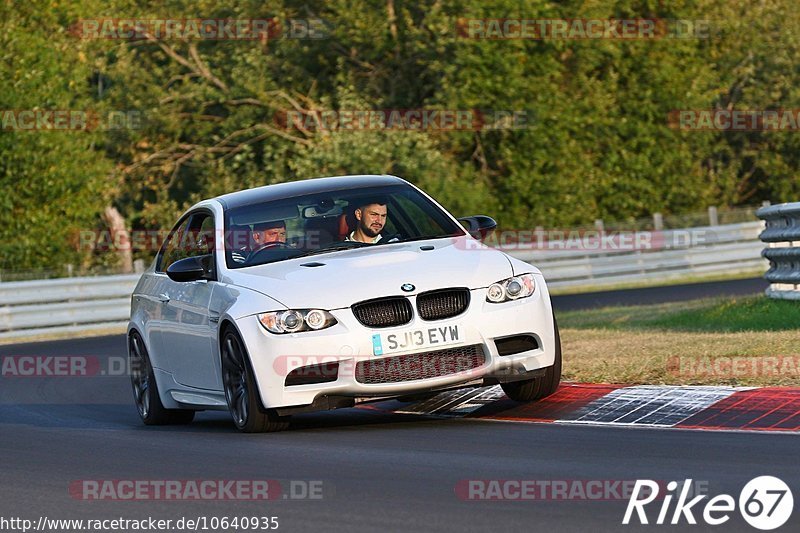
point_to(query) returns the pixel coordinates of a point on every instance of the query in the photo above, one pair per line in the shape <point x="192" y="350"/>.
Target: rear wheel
<point x="145" y="389"/>
<point x="241" y="392"/>
<point x="538" y="388"/>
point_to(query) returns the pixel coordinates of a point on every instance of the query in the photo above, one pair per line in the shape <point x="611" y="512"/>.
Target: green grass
<point x="731" y="314"/>
<point x="675" y="343"/>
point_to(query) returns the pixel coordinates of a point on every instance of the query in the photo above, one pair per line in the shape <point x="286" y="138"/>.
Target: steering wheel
<point x="266" y="246"/>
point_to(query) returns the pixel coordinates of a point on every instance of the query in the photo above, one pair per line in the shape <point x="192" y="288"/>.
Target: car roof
<point x="279" y="191"/>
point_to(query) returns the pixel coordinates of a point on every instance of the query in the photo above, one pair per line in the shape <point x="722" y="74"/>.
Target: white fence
<point x="782" y="234"/>
<point x="570" y="260"/>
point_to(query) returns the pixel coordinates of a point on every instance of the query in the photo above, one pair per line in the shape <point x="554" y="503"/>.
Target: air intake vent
<point x="515" y="344"/>
<point x="313" y="374"/>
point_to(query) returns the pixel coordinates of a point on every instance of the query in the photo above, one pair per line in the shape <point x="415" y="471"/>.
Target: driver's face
<point x="372" y="219"/>
<point x="270" y="235"/>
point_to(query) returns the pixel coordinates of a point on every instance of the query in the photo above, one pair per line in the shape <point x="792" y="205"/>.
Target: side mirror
<point x="479" y="226"/>
<point x="187" y="269"/>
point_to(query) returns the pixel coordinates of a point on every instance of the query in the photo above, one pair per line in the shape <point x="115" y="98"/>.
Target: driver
<point x="262" y="235"/>
<point x="268" y="232"/>
<point x="370" y="218"/>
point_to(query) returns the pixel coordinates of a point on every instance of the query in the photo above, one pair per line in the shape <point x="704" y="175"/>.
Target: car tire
<point x="145" y="388"/>
<point x="541" y="387"/>
<point x="241" y="391"/>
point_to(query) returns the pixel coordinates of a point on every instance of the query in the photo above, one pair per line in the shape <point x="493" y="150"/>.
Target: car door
<point x="154" y="297"/>
<point x="187" y="331"/>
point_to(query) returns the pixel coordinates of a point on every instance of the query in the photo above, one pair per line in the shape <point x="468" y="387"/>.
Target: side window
<point x="194" y="237"/>
<point x="171" y="251"/>
<point x="205" y="242"/>
<point x="424" y="224"/>
<point x="206" y="234"/>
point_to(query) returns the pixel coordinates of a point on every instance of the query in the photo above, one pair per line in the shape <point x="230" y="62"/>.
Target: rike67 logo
<point x="765" y="503"/>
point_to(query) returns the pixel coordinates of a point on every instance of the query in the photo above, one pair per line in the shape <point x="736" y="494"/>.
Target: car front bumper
<point x="349" y="343"/>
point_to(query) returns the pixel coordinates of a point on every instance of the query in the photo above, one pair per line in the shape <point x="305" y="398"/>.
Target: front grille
<point x="421" y="365"/>
<point x="446" y="303"/>
<point x="383" y="312"/>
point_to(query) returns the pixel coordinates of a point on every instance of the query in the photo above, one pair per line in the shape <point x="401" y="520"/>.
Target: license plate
<point x="414" y="339"/>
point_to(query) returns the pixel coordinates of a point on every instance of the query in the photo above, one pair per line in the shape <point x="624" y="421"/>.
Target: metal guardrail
<point x="782" y="235"/>
<point x="75" y="305"/>
<point x="29" y="308"/>
<point x="708" y="250"/>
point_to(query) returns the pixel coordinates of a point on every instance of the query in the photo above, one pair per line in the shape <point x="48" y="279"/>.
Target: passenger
<point x="370" y="219"/>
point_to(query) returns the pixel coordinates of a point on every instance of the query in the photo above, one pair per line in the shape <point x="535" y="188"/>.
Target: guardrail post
<point x="713" y="216"/>
<point x="658" y="221"/>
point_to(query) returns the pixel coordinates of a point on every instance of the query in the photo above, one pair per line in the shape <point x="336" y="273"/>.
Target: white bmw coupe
<point x="328" y="292"/>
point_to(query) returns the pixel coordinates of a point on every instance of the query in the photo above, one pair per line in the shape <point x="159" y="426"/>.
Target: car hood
<point x="342" y="278"/>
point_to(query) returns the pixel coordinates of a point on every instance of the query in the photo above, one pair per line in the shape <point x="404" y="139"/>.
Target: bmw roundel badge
<point x="407" y="287"/>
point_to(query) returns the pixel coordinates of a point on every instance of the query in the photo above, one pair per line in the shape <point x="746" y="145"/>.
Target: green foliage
<point x="52" y="182"/>
<point x="597" y="145"/>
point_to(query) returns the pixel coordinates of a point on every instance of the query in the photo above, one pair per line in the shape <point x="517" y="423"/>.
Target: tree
<point x="54" y="184"/>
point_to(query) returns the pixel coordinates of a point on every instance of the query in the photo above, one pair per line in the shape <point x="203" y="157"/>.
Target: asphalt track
<point x="379" y="470"/>
<point x="657" y="295"/>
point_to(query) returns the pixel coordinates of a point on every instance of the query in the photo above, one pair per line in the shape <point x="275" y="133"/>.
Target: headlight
<point x="511" y="289"/>
<point x="296" y="320"/>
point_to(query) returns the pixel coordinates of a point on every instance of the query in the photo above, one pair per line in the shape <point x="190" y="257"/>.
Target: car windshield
<point x="337" y="220"/>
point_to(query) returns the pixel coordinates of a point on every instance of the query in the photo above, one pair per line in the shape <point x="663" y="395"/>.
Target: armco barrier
<point x="782" y="234"/>
<point x="676" y="253"/>
<point x="79" y="304"/>
<point x="65" y="305"/>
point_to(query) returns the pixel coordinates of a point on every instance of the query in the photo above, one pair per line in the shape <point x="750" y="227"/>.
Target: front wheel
<point x="145" y="389"/>
<point x="241" y="392"/>
<point x="542" y="387"/>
